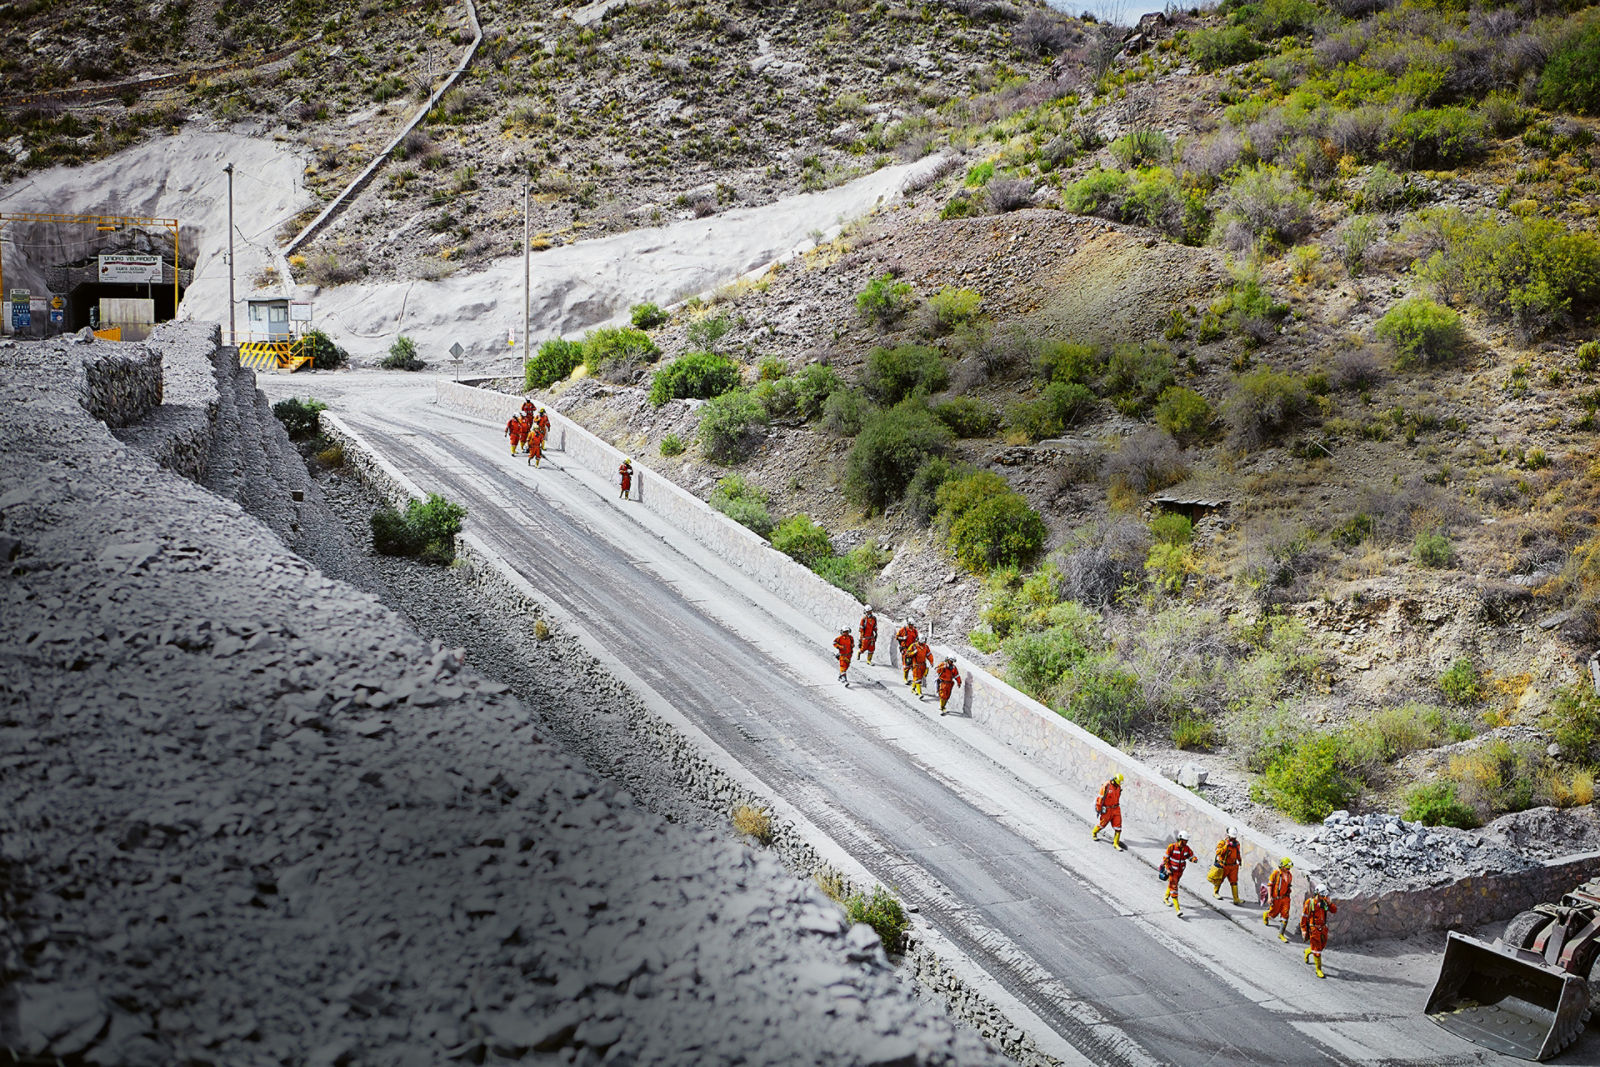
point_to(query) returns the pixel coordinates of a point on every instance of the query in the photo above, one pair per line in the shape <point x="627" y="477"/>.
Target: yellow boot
<point x="1282" y="934"/>
<point x="1177" y="908"/>
<point x="1264" y="920"/>
<point x="1094" y="835"/>
<point x="1319" y="965"/>
<point x="1306" y="956"/>
<point x="1236" y="899"/>
<point x="1116" y="841"/>
<point x="1216" y="891"/>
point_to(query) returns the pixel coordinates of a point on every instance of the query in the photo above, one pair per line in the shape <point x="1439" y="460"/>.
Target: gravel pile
<point x="1371" y="854"/>
<point x="248" y="816"/>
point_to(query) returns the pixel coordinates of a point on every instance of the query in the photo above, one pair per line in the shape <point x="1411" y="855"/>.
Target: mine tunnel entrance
<point x="87" y="296"/>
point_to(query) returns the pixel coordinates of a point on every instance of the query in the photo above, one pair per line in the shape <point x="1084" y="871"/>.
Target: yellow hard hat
<point x="1286" y="862"/>
<point x="1117" y="778"/>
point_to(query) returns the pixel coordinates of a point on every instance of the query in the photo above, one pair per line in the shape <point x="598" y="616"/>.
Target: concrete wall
<point x="118" y="384"/>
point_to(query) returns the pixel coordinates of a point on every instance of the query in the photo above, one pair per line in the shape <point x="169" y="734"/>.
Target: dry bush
<point x="1009" y="194"/>
<point x="1359" y="132"/>
<point x="1209" y="158"/>
<point x="1044" y="33"/>
<point x="1398" y="514"/>
<point x="1357" y="368"/>
<point x="1148" y="461"/>
<point x="1100" y="559"/>
<point x="753" y="822"/>
<point x="1278" y="560"/>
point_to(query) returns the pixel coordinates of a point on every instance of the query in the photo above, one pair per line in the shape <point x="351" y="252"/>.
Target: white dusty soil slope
<point x="248" y="816"/>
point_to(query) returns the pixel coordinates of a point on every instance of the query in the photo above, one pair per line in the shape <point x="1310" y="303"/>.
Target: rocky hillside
<point x="1282" y="324"/>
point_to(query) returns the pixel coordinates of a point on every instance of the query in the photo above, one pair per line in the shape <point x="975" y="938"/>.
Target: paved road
<point x="991" y="851"/>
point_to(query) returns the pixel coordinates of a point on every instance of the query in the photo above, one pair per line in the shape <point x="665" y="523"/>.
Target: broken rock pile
<point x="1369" y="854"/>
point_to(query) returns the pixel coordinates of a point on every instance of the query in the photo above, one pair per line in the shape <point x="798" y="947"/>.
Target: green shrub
<point x="742" y="501"/>
<point x="1262" y="403"/>
<point x="403" y="355"/>
<point x="1389" y="733"/>
<point x="1100" y="192"/>
<point x="1170" y="528"/>
<point x="1194" y="734"/>
<point x="1106" y="700"/>
<point x="1496" y="776"/>
<point x="325" y="355"/>
<point x="883" y="913"/>
<point x="853" y="571"/>
<point x="552" y="363"/>
<point x="698" y="375"/>
<point x="427" y="529"/>
<point x="647" y="316"/>
<point x="922" y="502"/>
<point x="1435" y="804"/>
<point x="1574" y="721"/>
<point x="814" y="384"/>
<point x="705" y="331"/>
<point x="1422" y="332"/>
<point x="1354" y="530"/>
<point x="1306" y="782"/>
<point x="1537" y="273"/>
<point x="988" y="524"/>
<point x="1588" y="356"/>
<point x="883" y="301"/>
<point x="1433" y="549"/>
<point x="967" y="416"/>
<point x="1136" y="375"/>
<point x="892" y="444"/>
<point x="799" y="537"/>
<point x="1571" y="77"/>
<point x="979" y="174"/>
<point x="1269" y="20"/>
<point x="844" y="412"/>
<point x="951" y="307"/>
<point x="1184" y="413"/>
<point x="610" y="346"/>
<point x="1436" y="137"/>
<point x="892" y="374"/>
<point x="729" y="425"/>
<point x="1222" y="47"/>
<point x="1141" y="148"/>
<point x="959" y="207"/>
<point x="300" y="418"/>
<point x="1063" y="361"/>
<point x="1037" y="661"/>
<point x="1461" y="684"/>
<point x="672" y="445"/>
<point x="1263" y="203"/>
<point x="1060" y="405"/>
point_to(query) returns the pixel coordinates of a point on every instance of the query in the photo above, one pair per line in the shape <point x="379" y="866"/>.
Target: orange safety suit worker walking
<point x="845" y="645"/>
<point x="513" y="428"/>
<point x="949" y="678"/>
<point x="527" y="408"/>
<point x="905" y="637"/>
<point x="625" y="475"/>
<point x="1226" y="867"/>
<point x="543" y="422"/>
<point x="536" y="446"/>
<point x="921" y="657"/>
<point x="1314" y="924"/>
<point x="1177" y="858"/>
<point x="1108" y="806"/>
<point x="869" y="635"/>
<point x="1280" y="887"/>
<point x="527" y="431"/>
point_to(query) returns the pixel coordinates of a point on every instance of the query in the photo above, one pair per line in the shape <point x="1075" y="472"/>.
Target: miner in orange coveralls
<point x="1177" y="858"/>
<point x="1314" y="924"/>
<point x="869" y="634"/>
<point x="921" y="657"/>
<point x="514" y="431"/>
<point x="527" y="408"/>
<point x="1108" y="806"/>
<point x="1280" y="887"/>
<point x="905" y="637"/>
<point x="543" y="422"/>
<point x="536" y="446"/>
<point x="527" y="429"/>
<point x="949" y="678"/>
<point x="625" y="475"/>
<point x="1226" y="868"/>
<point x="845" y="645"/>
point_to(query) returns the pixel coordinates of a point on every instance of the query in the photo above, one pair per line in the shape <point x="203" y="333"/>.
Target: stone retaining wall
<point x="798" y="844"/>
<point x="119" y="384"/>
<point x="1468" y="902"/>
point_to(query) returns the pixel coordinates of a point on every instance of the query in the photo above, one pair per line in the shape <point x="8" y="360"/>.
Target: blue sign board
<point x="58" y="317"/>
<point x="21" y="317"/>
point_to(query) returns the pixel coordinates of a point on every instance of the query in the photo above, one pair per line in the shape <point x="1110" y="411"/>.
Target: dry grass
<point x="753" y="822"/>
<point x="541" y="630"/>
<point x="832" y="883"/>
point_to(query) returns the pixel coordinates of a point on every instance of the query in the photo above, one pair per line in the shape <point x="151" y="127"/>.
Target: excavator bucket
<point x="1507" y="999"/>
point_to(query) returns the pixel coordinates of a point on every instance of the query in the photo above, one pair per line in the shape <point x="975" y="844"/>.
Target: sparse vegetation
<point x="301" y="419"/>
<point x="698" y="375"/>
<point x="426" y="529"/>
<point x="403" y="355"/>
<point x="744" y="502"/>
<point x="883" y="913"/>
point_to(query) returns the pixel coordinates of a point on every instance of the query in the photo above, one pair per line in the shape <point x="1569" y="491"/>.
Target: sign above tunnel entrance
<point x="125" y="267"/>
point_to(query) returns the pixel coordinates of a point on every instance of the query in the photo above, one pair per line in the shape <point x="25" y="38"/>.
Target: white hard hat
<point x="1233" y="831"/>
<point x="1322" y="889"/>
<point x="1183" y="835"/>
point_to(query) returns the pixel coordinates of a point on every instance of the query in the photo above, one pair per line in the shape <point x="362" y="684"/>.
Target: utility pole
<point x="233" y="336"/>
<point x="526" y="343"/>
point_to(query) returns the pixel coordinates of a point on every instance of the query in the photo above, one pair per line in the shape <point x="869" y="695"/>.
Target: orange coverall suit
<point x="1228" y="865"/>
<point x="536" y="446"/>
<point x="920" y="656"/>
<point x="869" y="636"/>
<point x="906" y="636"/>
<point x="1178" y="856"/>
<point x="1314" y="927"/>
<point x="514" y="431"/>
<point x="1280" y="887"/>
<point x="949" y="677"/>
<point x="1108" y="805"/>
<point x="845" y="645"/>
<point x="625" y="473"/>
<point x="543" y="422"/>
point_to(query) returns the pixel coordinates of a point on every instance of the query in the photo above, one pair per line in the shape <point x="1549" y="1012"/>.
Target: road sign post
<point x="456" y="352"/>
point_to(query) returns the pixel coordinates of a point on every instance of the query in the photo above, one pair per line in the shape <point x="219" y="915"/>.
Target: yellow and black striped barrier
<point x="273" y="355"/>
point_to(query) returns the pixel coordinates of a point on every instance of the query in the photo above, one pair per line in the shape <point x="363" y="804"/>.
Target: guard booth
<point x="275" y="328"/>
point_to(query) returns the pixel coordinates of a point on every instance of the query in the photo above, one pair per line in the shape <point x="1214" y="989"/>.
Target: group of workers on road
<point x="528" y="430"/>
<point x="916" y="658"/>
<point x="1225" y="868"/>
